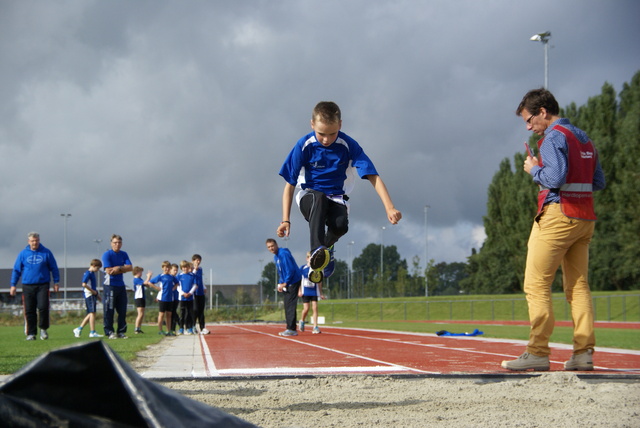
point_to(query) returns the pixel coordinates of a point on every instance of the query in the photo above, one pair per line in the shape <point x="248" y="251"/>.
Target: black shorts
<point x="141" y="303"/>
<point x="307" y="299"/>
<point x="165" y="306"/>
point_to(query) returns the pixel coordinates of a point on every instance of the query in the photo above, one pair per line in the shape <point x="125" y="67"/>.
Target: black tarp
<point x="90" y="385"/>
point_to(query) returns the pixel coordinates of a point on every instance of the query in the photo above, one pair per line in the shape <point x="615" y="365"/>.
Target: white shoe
<point x="205" y="331"/>
<point x="77" y="331"/>
<point x="44" y="335"/>
<point x="94" y="334"/>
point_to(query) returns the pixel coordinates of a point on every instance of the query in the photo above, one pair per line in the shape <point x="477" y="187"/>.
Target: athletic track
<point x="256" y="350"/>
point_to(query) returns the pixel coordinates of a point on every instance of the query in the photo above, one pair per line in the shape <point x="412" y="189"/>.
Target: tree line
<point x="612" y="121"/>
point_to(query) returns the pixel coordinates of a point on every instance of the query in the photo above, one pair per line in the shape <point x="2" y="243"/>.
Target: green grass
<point x="16" y="351"/>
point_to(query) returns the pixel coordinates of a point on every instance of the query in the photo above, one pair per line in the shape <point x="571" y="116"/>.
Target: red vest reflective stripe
<point x="576" y="195"/>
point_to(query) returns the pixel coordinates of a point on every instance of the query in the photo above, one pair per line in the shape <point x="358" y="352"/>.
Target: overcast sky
<point x="167" y="121"/>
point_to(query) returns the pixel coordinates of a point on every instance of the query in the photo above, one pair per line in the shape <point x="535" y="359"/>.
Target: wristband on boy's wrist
<point x="285" y="221"/>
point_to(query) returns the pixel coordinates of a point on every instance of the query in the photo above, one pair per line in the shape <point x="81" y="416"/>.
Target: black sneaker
<point x="319" y="258"/>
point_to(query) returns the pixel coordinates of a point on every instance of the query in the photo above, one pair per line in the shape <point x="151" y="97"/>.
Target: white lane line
<point x="384" y="363"/>
<point x="209" y="365"/>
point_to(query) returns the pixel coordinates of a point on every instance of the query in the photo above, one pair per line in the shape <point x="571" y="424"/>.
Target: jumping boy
<point x="186" y="290"/>
<point x="168" y="283"/>
<point x="310" y="292"/>
<point x="323" y="164"/>
<point x="91" y="297"/>
<point x="139" y="296"/>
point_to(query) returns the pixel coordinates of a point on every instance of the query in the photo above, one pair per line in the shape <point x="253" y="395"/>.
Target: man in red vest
<point x="567" y="171"/>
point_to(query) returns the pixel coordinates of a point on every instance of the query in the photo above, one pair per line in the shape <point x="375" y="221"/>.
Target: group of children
<point x="181" y="297"/>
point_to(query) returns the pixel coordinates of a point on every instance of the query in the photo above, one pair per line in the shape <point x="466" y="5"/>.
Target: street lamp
<point x="382" y="254"/>
<point x="544" y="39"/>
<point x="66" y="217"/>
<point x="426" y="252"/>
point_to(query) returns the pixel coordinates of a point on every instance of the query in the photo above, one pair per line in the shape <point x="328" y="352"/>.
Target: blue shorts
<point x="91" y="303"/>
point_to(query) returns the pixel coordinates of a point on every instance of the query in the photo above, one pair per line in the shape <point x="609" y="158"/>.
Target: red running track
<point x="258" y="350"/>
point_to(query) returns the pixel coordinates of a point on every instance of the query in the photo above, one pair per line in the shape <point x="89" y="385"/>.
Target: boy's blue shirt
<point x="167" y="282"/>
<point x="200" y="282"/>
<point x="35" y="267"/>
<point x="138" y="288"/>
<point x="329" y="170"/>
<point x="187" y="283"/>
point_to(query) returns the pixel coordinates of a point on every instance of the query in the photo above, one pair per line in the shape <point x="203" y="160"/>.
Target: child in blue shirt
<point x="199" y="297"/>
<point x="139" y="296"/>
<point x="323" y="164"/>
<point x="91" y="296"/>
<point x="186" y="291"/>
<point x="168" y="284"/>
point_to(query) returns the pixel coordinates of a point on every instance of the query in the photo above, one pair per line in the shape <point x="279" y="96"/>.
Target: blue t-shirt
<point x="187" y="285"/>
<point x="199" y="282"/>
<point x="89" y="278"/>
<point x="112" y="259"/>
<point x="166" y="282"/>
<point x="330" y="170"/>
<point x="138" y="288"/>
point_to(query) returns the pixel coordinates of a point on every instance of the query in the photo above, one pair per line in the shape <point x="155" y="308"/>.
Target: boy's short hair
<point x="270" y="241"/>
<point x="136" y="270"/>
<point x="175" y="265"/>
<point x="166" y="263"/>
<point x="96" y="262"/>
<point x="196" y="257"/>
<point x="116" y="236"/>
<point x="326" y="112"/>
<point x="535" y="99"/>
<point x="185" y="263"/>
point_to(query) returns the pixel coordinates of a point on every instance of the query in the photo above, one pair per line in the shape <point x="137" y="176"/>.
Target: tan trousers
<point x="555" y="241"/>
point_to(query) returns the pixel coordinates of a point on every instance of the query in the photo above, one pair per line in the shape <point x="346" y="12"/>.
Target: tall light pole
<point x="426" y="252"/>
<point x="382" y="254"/>
<point x="349" y="278"/>
<point x="66" y="217"/>
<point x="544" y="39"/>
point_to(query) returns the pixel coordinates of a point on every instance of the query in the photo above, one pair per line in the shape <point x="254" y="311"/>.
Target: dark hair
<point x="535" y="99"/>
<point x="326" y="112"/>
<point x="271" y="240"/>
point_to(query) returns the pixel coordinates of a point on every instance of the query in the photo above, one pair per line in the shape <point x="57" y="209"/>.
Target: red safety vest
<point x="576" y="195"/>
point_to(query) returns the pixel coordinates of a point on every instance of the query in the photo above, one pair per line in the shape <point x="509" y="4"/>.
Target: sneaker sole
<point x="318" y="255"/>
<point x="524" y="369"/>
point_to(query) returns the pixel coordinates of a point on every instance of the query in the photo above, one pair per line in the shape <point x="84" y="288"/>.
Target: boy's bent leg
<point x="313" y="207"/>
<point x="337" y="222"/>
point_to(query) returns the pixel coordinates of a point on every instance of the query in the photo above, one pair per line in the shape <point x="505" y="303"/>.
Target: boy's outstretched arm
<point x="287" y="198"/>
<point x="393" y="214"/>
